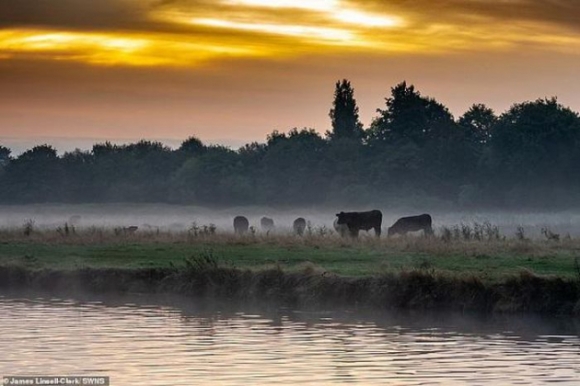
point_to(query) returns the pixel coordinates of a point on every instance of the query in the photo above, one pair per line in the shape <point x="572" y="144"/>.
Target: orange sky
<point x="231" y="71"/>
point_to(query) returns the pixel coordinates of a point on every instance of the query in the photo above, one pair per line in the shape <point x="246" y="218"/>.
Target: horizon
<point x="61" y="144"/>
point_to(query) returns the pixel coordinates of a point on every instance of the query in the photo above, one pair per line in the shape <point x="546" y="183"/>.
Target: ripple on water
<point x="161" y="345"/>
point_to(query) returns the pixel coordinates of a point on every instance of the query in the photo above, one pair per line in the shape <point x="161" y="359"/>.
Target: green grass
<point x="489" y="260"/>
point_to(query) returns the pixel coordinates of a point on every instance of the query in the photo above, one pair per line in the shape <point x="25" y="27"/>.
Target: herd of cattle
<point x="350" y="224"/>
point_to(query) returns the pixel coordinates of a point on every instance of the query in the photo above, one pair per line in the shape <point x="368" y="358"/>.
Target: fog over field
<point x="176" y="218"/>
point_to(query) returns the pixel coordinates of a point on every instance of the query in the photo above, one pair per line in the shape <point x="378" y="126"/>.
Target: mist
<point x="178" y="218"/>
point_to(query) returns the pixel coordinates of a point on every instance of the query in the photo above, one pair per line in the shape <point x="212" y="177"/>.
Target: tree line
<point x="414" y="151"/>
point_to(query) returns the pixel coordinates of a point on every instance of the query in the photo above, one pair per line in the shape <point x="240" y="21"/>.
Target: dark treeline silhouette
<point x="414" y="151"/>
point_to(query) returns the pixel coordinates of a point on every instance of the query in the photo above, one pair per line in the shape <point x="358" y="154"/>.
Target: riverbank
<point x="416" y="289"/>
<point x="489" y="259"/>
<point x="487" y="274"/>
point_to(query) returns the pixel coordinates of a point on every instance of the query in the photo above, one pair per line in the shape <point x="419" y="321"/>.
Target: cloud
<point x="74" y="14"/>
<point x="134" y="14"/>
<point x="193" y="32"/>
<point x="562" y="13"/>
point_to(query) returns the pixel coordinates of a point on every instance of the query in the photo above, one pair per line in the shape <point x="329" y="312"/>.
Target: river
<point x="144" y="340"/>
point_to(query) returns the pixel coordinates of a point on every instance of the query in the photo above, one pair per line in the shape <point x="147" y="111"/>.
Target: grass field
<point x="487" y="256"/>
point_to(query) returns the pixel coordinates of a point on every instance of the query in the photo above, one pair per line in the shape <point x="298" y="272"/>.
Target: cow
<point x="241" y="225"/>
<point x="126" y="230"/>
<point x="341" y="229"/>
<point x="412" y="224"/>
<point x="267" y="224"/>
<point x="299" y="226"/>
<point x="355" y="221"/>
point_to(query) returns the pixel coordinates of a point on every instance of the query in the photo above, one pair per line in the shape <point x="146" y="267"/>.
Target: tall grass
<point x="28" y="227"/>
<point x="477" y="231"/>
<point x="476" y="238"/>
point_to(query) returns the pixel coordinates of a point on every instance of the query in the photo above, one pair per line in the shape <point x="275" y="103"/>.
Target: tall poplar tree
<point x="344" y="114"/>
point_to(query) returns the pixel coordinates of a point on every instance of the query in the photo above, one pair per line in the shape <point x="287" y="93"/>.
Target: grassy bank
<point x="447" y="272"/>
<point x="490" y="259"/>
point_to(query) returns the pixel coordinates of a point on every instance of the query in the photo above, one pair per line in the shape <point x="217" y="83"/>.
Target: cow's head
<point x="341" y="218"/>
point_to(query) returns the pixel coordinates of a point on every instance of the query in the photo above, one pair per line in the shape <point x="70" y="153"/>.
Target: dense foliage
<point x="414" y="151"/>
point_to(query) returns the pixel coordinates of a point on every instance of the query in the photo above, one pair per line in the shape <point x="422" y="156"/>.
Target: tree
<point x="42" y="153"/>
<point x="411" y="117"/>
<point x="192" y="146"/>
<point x="290" y="169"/>
<point x="344" y="114"/>
<point x="216" y="177"/>
<point x="35" y="176"/>
<point x="4" y="160"/>
<point x="478" y="123"/>
<point x="415" y="143"/>
<point x="78" y="177"/>
<point x="137" y="172"/>
<point x="4" y="156"/>
<point x="535" y="144"/>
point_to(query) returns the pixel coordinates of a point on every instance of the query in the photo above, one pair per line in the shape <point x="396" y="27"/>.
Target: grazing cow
<point x="299" y="226"/>
<point x="126" y="230"/>
<point x="267" y="224"/>
<point x="241" y="225"/>
<point x="341" y="229"/>
<point x="412" y="224"/>
<point x="355" y="221"/>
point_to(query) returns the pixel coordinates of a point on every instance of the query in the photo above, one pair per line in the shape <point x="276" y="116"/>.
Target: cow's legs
<point x="378" y="231"/>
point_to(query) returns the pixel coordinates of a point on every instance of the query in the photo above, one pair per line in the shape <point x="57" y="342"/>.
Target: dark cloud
<point x="73" y="14"/>
<point x="565" y="13"/>
<point x="139" y="16"/>
<point x="559" y="12"/>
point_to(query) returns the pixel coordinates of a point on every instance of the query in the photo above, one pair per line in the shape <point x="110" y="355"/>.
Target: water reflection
<point x="159" y="341"/>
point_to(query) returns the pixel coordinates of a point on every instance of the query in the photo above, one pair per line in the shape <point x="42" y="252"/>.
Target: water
<point x="146" y="341"/>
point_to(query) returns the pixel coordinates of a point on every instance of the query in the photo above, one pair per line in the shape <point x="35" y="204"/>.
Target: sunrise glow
<point x="314" y="33"/>
<point x="318" y="5"/>
<point x="367" y="20"/>
<point x="111" y="49"/>
<point x="245" y="31"/>
<point x="135" y="68"/>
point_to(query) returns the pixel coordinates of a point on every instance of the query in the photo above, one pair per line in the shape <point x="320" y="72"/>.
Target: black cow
<point x="267" y="224"/>
<point x="299" y="226"/>
<point x="355" y="221"/>
<point x="241" y="225"/>
<point x="412" y="224"/>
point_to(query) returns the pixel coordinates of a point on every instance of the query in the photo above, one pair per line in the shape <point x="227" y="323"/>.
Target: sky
<point x="76" y="72"/>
